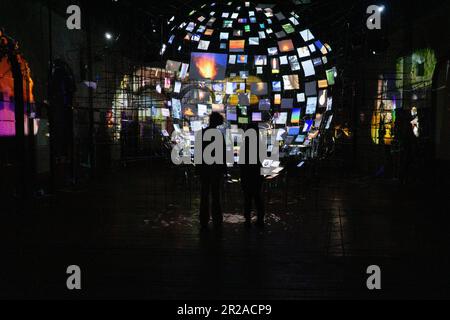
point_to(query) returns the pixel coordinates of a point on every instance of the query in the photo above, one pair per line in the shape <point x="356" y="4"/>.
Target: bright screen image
<point x="294" y="131"/>
<point x="243" y="120"/>
<point x="288" y="28"/>
<point x="286" y="45"/>
<point x="303" y="52"/>
<point x="281" y="118"/>
<point x="308" y="68"/>
<point x="254" y="41"/>
<point x="323" y="99"/>
<point x="217" y="107"/>
<point x="176" y="108"/>
<point x="317" y="62"/>
<point x="203" y="45"/>
<point x="322" y="84"/>
<point x="231" y="113"/>
<point x="293" y="61"/>
<point x="308" y="126"/>
<point x="264" y="105"/>
<point x="244" y="74"/>
<point x="231" y="88"/>
<point x="277" y="99"/>
<point x="242" y="59"/>
<point x="295" y="119"/>
<point x="217" y="87"/>
<point x="237" y="45"/>
<point x="291" y="82"/>
<point x="307" y="35"/>
<point x="272" y="51"/>
<point x="202" y="110"/>
<point x="300" y="139"/>
<point x="208" y="66"/>
<point x="260" y="60"/>
<point x="311" y="105"/>
<point x="257" y="117"/>
<point x="330" y="77"/>
<point x="173" y="66"/>
<point x="275" y="63"/>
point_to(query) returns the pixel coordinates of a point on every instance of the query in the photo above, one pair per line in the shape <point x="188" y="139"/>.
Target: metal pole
<point x="51" y="117"/>
<point x="90" y="97"/>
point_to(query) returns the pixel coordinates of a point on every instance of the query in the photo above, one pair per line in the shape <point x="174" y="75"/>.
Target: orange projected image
<point x="7" y="107"/>
<point x="237" y="45"/>
<point x="189" y="113"/>
<point x="286" y="46"/>
<point x="208" y="66"/>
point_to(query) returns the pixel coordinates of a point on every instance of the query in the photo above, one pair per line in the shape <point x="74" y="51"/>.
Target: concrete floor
<point x="135" y="235"/>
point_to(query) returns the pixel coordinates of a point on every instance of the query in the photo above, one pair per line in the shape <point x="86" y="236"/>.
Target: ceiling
<point x="141" y="25"/>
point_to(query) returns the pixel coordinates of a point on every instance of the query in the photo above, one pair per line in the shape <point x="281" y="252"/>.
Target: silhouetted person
<point x="252" y="182"/>
<point x="211" y="177"/>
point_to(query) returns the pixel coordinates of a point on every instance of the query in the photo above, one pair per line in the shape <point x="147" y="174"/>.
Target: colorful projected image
<point x="291" y="82"/>
<point x="173" y="66"/>
<point x="260" y="60"/>
<point x="295" y="119"/>
<point x="414" y="74"/>
<point x="288" y="28"/>
<point x="208" y="66"/>
<point x="242" y="59"/>
<point x="264" y="105"/>
<point x="311" y="106"/>
<point x="331" y="76"/>
<point x="286" y="46"/>
<point x="231" y="114"/>
<point x="176" y="108"/>
<point x="257" y="117"/>
<point x="384" y="115"/>
<point x="237" y="45"/>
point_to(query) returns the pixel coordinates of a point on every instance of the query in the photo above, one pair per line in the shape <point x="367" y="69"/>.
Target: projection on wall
<point x="7" y="103"/>
<point x="409" y="88"/>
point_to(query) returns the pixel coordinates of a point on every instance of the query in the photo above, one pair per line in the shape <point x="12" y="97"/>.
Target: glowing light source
<point x="208" y="66"/>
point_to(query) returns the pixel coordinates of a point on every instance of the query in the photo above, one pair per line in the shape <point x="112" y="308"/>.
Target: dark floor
<point x="135" y="235"/>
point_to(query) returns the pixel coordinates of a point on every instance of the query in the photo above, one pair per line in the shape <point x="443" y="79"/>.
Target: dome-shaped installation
<point x="256" y="65"/>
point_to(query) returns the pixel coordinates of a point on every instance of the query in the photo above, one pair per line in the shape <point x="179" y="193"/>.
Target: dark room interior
<point x="225" y="150"/>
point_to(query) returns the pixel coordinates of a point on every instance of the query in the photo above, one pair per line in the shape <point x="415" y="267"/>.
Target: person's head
<point x="216" y="120"/>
